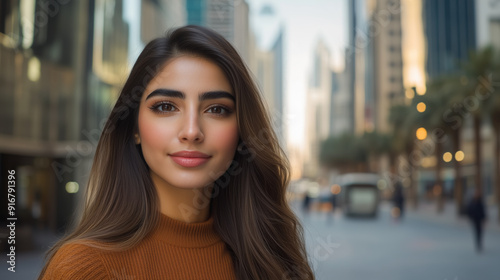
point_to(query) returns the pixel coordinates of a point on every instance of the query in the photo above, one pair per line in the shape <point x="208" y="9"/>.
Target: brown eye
<point x="218" y="110"/>
<point x="166" y="107"/>
<point x="163" y="108"/>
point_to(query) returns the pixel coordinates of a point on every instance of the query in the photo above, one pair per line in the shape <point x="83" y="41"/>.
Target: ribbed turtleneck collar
<point x="182" y="234"/>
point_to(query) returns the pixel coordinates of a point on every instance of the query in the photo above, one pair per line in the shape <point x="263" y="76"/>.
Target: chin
<point x="190" y="184"/>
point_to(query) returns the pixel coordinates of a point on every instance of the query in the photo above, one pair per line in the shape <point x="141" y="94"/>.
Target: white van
<point x="360" y="194"/>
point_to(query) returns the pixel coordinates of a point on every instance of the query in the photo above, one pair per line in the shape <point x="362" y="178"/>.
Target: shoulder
<point x="76" y="261"/>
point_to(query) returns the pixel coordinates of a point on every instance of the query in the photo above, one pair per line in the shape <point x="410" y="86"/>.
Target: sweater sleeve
<point x="76" y="262"/>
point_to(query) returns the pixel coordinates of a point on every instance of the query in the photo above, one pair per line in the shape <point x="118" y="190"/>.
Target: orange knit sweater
<point x="175" y="250"/>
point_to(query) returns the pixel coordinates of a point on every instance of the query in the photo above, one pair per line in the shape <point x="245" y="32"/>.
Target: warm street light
<point x="447" y="157"/>
<point x="459" y="155"/>
<point x="421" y="133"/>
<point x="421" y="107"/>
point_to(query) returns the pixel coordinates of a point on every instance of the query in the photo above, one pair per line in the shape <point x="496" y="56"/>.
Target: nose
<point x="190" y="128"/>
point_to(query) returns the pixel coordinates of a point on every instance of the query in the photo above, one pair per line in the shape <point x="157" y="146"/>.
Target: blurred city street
<point x="422" y="246"/>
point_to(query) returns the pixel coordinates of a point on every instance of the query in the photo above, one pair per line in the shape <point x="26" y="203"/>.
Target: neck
<point x="187" y="205"/>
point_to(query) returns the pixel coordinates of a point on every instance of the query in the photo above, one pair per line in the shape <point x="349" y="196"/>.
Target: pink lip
<point x="189" y="158"/>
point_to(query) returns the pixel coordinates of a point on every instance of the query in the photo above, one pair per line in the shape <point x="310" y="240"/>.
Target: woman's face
<point x="187" y="123"/>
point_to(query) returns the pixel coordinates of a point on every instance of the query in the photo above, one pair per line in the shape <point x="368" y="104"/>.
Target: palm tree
<point x="345" y="152"/>
<point x="452" y="89"/>
<point x="401" y="117"/>
<point x="478" y="70"/>
<point x="432" y="120"/>
<point x="493" y="110"/>
<point x="377" y="145"/>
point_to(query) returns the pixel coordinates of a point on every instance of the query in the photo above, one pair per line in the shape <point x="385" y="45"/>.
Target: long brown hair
<point x="248" y="201"/>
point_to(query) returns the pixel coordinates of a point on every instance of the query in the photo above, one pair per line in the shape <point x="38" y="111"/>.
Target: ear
<point x="137" y="139"/>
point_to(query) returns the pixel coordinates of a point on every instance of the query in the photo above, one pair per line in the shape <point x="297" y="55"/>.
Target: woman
<point x="188" y="179"/>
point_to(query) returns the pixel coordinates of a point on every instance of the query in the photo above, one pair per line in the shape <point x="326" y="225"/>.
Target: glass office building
<point x="63" y="65"/>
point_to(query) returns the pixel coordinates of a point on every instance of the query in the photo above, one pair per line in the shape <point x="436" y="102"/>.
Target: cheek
<point x="226" y="138"/>
<point x="153" y="133"/>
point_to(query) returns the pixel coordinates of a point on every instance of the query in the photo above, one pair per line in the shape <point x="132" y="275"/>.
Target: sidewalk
<point x="427" y="211"/>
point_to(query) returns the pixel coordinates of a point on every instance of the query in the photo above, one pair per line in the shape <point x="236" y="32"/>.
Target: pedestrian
<point x="398" y="200"/>
<point x="332" y="199"/>
<point x="306" y="202"/>
<point x="333" y="202"/>
<point x="477" y="216"/>
<point x="188" y="179"/>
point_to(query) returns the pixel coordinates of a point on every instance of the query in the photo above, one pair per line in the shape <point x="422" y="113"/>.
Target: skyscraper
<point x="63" y="65"/>
<point x="450" y="30"/>
<point x="318" y="107"/>
<point x="488" y="23"/>
<point x="228" y="17"/>
<point x="387" y="61"/>
<point x="374" y="63"/>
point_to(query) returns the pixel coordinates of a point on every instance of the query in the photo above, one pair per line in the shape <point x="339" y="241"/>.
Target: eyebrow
<point x="202" y="97"/>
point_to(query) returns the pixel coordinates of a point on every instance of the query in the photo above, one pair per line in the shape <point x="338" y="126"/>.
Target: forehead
<point x="190" y="74"/>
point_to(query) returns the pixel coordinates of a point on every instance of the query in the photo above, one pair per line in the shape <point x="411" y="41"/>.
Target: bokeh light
<point x="72" y="187"/>
<point x="428" y="162"/>
<point x="410" y="93"/>
<point x="421" y="133"/>
<point x="336" y="189"/>
<point x="459" y="156"/>
<point x="421" y="107"/>
<point x="34" y="69"/>
<point x="381" y="184"/>
<point x="447" y="157"/>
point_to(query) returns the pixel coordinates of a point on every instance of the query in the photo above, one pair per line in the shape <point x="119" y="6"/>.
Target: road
<point x="414" y="249"/>
<point x="418" y="248"/>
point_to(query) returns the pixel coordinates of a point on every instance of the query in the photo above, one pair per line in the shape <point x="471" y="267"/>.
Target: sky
<point x="305" y="23"/>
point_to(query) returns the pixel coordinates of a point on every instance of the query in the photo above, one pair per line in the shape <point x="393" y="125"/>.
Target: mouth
<point x="189" y="158"/>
